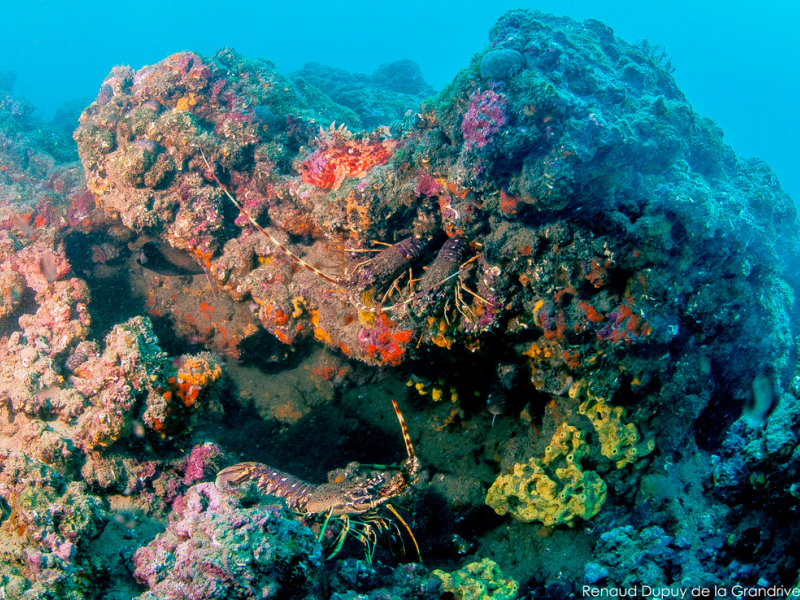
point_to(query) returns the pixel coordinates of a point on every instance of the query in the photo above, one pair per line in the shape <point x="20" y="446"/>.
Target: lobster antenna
<point x="412" y="462"/>
<point x="271" y="238"/>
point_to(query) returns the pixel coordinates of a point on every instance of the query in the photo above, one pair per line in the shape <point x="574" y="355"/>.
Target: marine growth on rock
<point x="571" y="284"/>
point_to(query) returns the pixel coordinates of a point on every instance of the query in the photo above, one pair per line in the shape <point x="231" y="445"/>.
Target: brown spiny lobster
<point x="386" y="266"/>
<point x="353" y="497"/>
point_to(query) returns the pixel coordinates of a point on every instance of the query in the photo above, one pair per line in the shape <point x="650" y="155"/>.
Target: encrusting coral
<point x="554" y="489"/>
<point x="216" y="548"/>
<point x="46" y="527"/>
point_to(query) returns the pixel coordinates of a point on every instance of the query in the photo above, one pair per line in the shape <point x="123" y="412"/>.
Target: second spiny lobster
<point x="354" y="497"/>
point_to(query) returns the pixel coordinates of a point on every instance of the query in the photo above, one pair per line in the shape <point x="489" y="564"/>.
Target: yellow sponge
<point x="478" y="581"/>
<point x="553" y="490"/>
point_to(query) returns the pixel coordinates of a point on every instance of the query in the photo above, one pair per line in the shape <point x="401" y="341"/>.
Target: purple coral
<point x="253" y="202"/>
<point x="200" y="461"/>
<point x="427" y="185"/>
<point x="214" y="548"/>
<point x="484" y="118"/>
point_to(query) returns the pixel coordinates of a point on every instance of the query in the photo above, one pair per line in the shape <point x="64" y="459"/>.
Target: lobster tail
<point x="387" y="264"/>
<point x="440" y="275"/>
<point x="269" y="481"/>
<point x="235" y="475"/>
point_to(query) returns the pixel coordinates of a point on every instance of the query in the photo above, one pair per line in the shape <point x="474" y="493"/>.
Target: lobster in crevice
<point x="353" y="497"/>
<point x="389" y="265"/>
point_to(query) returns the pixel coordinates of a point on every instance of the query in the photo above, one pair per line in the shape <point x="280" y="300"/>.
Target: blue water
<point x="736" y="60"/>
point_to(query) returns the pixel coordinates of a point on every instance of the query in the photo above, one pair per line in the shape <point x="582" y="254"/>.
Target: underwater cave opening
<point x="101" y="261"/>
<point x="265" y="352"/>
<point x="27" y="305"/>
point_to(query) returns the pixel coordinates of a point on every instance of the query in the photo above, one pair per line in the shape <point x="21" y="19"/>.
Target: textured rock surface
<point x="557" y="231"/>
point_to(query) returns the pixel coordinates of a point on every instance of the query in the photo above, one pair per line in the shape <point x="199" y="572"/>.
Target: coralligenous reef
<point x="556" y="236"/>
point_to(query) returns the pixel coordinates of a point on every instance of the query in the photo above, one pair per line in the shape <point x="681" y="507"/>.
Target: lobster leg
<point x="341" y="537"/>
<point x="408" y="529"/>
<point x="367" y="535"/>
<point x="324" y="525"/>
<point x="370" y="540"/>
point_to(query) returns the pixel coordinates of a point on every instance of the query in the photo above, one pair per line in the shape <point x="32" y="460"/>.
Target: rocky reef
<point x="393" y="90"/>
<point x="216" y="549"/>
<point x="556" y="236"/>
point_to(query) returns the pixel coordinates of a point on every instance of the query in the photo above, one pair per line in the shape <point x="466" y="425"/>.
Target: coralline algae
<point x="559" y="212"/>
<point x="214" y="548"/>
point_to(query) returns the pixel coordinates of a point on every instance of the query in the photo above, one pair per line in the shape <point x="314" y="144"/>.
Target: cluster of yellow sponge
<point x="618" y="441"/>
<point x="555" y="489"/>
<point x="531" y="494"/>
<point x="478" y="581"/>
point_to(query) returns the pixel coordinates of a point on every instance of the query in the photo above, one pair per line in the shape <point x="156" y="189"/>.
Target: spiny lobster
<point x="384" y="266"/>
<point x="352" y="496"/>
